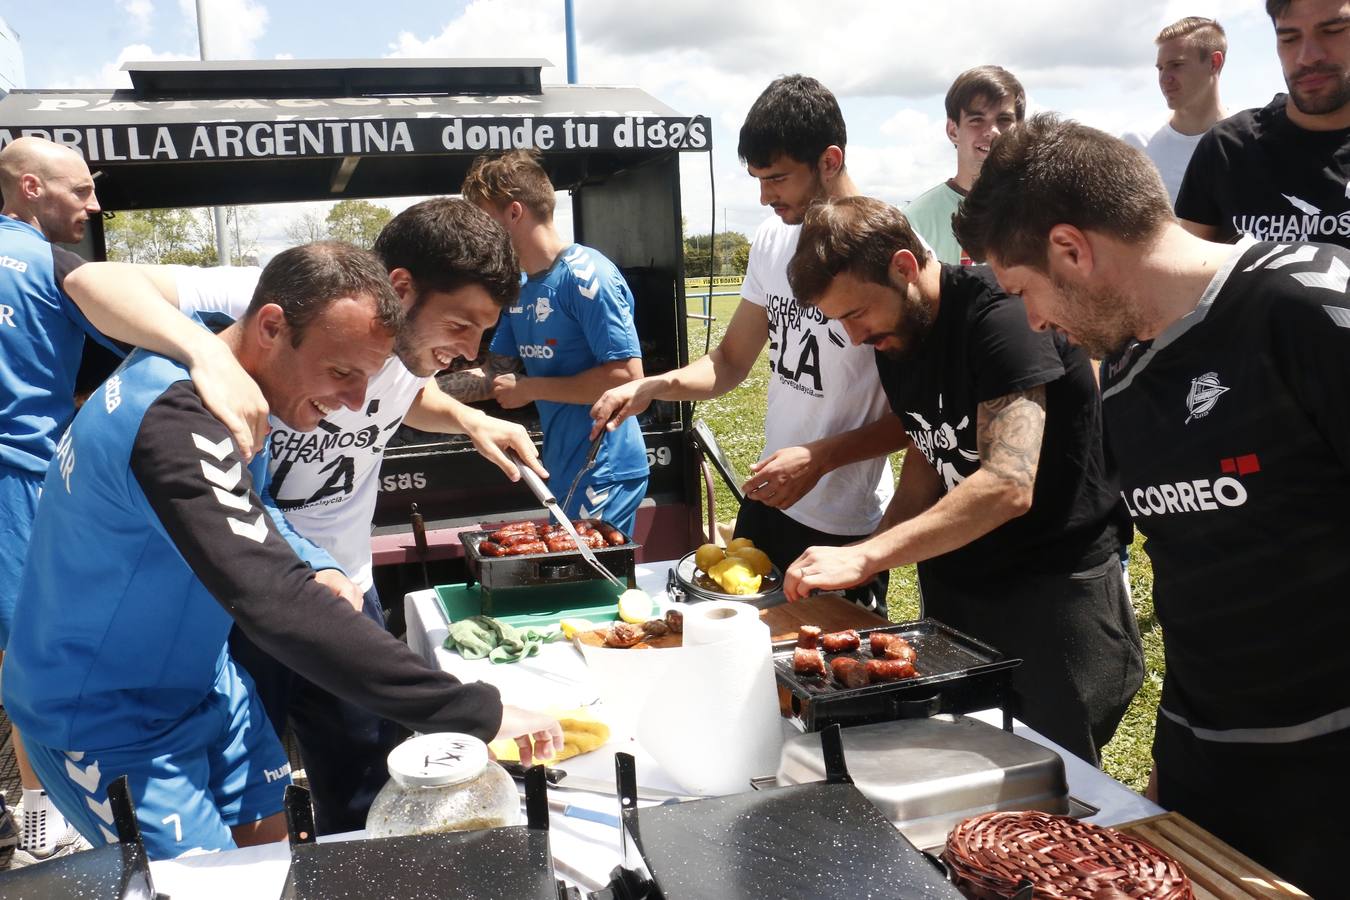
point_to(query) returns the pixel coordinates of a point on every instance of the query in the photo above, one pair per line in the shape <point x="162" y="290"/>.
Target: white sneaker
<point x="36" y="846"/>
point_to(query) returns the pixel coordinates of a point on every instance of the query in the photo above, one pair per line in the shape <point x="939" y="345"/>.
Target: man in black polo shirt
<point x="1007" y="507"/>
<point x="1224" y="396"/>
<point x="1279" y="172"/>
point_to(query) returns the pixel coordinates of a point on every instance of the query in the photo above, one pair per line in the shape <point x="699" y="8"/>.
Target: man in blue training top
<point x="48" y="197"/>
<point x="573" y="330"/>
<point x="150" y="539"/>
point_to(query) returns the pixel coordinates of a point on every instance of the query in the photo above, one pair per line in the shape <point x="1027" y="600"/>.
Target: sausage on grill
<point x="889" y="670"/>
<point x="841" y="641"/>
<point x="808" y="636"/>
<point x="808" y="662"/>
<point x="524" y="548"/>
<point x="849" y="671"/>
<point x="491" y="548"/>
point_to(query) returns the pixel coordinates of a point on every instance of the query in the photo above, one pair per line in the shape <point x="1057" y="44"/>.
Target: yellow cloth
<point x="582" y="733"/>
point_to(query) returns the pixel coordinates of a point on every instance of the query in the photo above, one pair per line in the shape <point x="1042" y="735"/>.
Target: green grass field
<point x="738" y="421"/>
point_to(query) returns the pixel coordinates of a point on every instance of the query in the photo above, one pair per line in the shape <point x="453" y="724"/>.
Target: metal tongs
<point x="586" y="467"/>
<point x="545" y="496"/>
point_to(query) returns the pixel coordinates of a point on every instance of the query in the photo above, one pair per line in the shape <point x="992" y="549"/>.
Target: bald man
<point x="48" y="198"/>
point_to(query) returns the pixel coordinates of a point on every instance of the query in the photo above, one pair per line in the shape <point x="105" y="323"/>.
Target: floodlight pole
<point x="570" y="28"/>
<point x="217" y="212"/>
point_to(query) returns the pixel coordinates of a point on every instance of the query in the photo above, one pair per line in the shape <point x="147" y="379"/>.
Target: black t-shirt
<point x="1232" y="435"/>
<point x="981" y="348"/>
<point x="1258" y="173"/>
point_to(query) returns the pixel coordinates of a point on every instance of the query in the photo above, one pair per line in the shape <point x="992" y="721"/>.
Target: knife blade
<point x="550" y="503"/>
<point x="598" y="786"/>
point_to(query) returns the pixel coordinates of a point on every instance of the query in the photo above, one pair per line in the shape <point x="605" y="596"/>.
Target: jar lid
<point x="437" y="760"/>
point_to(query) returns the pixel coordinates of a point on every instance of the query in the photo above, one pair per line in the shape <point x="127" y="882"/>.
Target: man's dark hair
<point x="987" y="84"/>
<point x="796" y="117"/>
<point x="304" y="280"/>
<point x="858" y="235"/>
<point x="1277" y="8"/>
<point x="1054" y="171"/>
<point x="447" y="243"/>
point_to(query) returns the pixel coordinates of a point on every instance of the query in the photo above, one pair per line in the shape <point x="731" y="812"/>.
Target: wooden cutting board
<point x="1217" y="871"/>
<point x="832" y="612"/>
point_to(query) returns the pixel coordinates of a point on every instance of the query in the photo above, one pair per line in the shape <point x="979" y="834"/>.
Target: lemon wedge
<point x="635" y="606"/>
<point x="570" y="627"/>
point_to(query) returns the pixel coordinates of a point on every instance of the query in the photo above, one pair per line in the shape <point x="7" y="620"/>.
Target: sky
<point x="888" y="61"/>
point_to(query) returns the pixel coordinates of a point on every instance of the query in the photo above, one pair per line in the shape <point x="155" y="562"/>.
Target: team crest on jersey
<point x="542" y="310"/>
<point x="1204" y="393"/>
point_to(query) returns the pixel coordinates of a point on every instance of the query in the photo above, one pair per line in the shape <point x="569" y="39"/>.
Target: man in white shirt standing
<point x="1191" y="53"/>
<point x="823" y="478"/>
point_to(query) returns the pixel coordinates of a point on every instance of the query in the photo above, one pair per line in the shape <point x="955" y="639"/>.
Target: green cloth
<point x="930" y="214"/>
<point x="480" y="636"/>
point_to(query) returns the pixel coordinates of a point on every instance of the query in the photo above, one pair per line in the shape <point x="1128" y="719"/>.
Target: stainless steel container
<point x="926" y="775"/>
<point x="693" y="586"/>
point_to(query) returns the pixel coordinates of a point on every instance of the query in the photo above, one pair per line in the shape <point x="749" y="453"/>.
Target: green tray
<point x="536" y="606"/>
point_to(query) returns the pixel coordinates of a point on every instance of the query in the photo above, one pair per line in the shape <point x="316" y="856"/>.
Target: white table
<point x="585" y="852"/>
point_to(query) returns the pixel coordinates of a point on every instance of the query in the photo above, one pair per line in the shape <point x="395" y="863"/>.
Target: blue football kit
<point x="41" y="340"/>
<point x="571" y="318"/>
<point x="149" y="541"/>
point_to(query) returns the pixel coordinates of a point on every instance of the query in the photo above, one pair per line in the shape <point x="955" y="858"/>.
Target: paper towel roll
<point x="712" y="720"/>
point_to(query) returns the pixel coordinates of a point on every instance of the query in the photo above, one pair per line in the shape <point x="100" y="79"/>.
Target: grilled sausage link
<point x="889" y="670"/>
<point x="808" y="662"/>
<point x="524" y="548"/>
<point x="491" y="548"/>
<point x="899" y="648"/>
<point x="808" y="636"/>
<point x="849" y="671"/>
<point x="841" y="641"/>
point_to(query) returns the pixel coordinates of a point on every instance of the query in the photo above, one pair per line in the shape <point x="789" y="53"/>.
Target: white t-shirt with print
<point x="326" y="481"/>
<point x="820" y="385"/>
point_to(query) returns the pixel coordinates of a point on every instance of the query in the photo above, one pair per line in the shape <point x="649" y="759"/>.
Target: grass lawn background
<point x="738" y="421"/>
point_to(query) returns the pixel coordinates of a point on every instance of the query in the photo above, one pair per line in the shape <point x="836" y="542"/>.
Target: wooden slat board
<point x="1217" y="871"/>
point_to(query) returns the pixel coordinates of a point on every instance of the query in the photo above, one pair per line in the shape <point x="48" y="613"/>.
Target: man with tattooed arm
<point x="1008" y="505"/>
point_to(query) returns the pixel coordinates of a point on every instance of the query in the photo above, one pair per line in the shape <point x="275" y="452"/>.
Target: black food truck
<point x="231" y="132"/>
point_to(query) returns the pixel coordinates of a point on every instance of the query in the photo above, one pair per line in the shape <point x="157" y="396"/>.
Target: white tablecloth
<point x="585" y="852"/>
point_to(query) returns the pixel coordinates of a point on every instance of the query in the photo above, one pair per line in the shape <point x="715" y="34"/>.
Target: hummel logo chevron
<point x="87" y="778"/>
<point x="218" y="451"/>
<point x="1306" y="253"/>
<point x="1333" y="279"/>
<point x="255" y="532"/>
<point x="585" y="274"/>
<point x="102" y="810"/>
<point x="589" y="291"/>
<point x="240" y="502"/>
<point x="221" y="478"/>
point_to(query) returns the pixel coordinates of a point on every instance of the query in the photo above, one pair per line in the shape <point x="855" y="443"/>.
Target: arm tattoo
<point x="1009" y="432"/>
<point x="473" y="385"/>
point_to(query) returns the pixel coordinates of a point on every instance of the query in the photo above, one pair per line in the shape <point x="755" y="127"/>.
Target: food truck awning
<point x="194" y="133"/>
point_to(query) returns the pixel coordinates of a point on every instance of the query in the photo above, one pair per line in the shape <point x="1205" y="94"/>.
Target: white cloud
<point x="232" y="26"/>
<point x="110" y="74"/>
<point x="138" y="12"/>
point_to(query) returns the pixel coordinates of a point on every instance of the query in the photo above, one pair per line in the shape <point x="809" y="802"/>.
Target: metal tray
<point x="694" y="585"/>
<point x="957" y="674"/>
<point x="530" y="570"/>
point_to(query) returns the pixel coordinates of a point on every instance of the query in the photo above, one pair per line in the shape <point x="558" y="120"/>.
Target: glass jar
<point x="443" y="782"/>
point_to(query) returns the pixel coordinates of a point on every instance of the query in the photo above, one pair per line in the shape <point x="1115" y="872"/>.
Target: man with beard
<point x="1225" y="411"/>
<point x="1279" y="173"/>
<point x="1007" y="505"/>
<point x="823" y="477"/>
